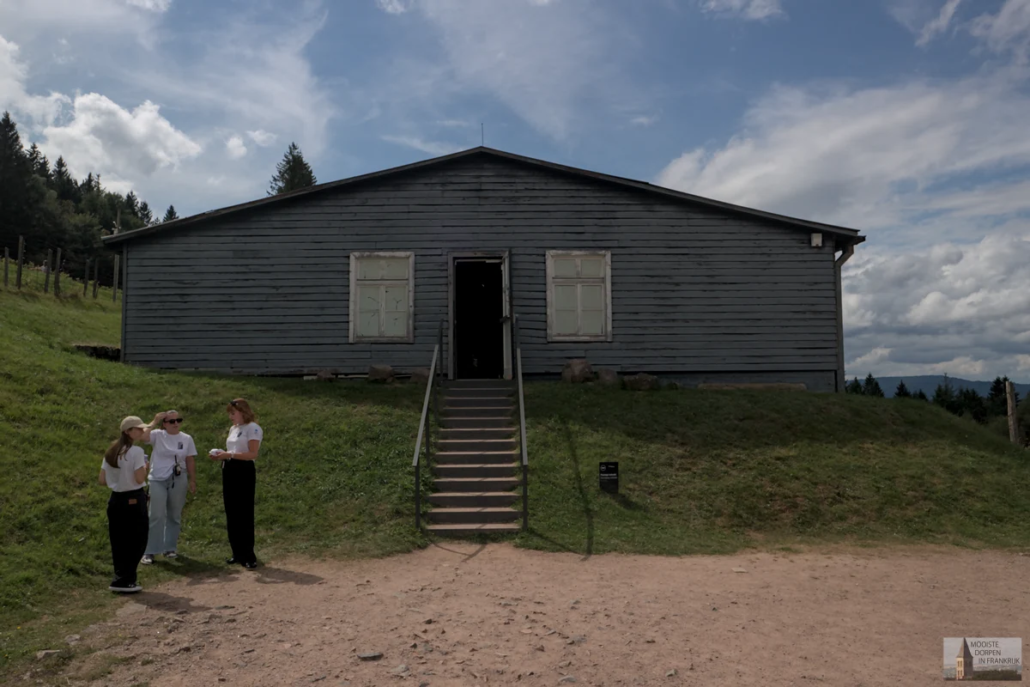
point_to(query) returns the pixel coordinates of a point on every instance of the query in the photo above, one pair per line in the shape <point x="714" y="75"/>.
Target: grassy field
<point x="701" y="472"/>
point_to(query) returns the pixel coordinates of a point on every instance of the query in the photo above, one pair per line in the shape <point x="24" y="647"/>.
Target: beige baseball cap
<point x="131" y="422"/>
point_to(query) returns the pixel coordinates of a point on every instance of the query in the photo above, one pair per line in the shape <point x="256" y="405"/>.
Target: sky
<point x="906" y="119"/>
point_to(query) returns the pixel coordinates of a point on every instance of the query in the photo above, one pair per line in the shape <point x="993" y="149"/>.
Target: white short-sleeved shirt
<point x="123" y="477"/>
<point x="169" y="448"/>
<point x="239" y="437"/>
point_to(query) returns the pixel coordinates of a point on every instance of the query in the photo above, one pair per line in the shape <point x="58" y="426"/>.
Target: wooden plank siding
<point x="695" y="292"/>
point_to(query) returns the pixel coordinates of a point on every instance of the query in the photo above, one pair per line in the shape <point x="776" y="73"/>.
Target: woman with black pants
<point x="124" y="471"/>
<point x="239" y="479"/>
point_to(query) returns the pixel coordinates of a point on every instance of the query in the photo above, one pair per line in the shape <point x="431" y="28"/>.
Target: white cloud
<point x="550" y="63"/>
<point x="1008" y="30"/>
<point x="394" y="6"/>
<point x="431" y="147"/>
<point x="959" y="309"/>
<point x="262" y="138"/>
<point x="39" y="109"/>
<point x="253" y="76"/>
<point x="746" y="9"/>
<point x="940" y="23"/>
<point x="235" y="148"/>
<point x="152" y="5"/>
<point x="104" y="138"/>
<point x="841" y="155"/>
<point x="644" y="120"/>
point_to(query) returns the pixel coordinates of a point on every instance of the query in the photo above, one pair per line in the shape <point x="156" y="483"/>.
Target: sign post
<point x="608" y="474"/>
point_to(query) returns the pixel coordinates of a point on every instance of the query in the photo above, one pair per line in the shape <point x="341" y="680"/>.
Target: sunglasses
<point x="174" y="422"/>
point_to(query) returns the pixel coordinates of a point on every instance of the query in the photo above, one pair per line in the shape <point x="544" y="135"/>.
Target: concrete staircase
<point x="476" y="467"/>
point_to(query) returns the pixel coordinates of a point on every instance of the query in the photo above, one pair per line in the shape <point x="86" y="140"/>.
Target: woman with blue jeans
<point x="172" y="469"/>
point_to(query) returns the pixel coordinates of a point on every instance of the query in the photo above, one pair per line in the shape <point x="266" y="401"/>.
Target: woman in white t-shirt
<point x="239" y="478"/>
<point x="123" y="471"/>
<point x="172" y="469"/>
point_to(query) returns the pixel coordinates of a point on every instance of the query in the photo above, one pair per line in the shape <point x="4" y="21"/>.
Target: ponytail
<point x="117" y="449"/>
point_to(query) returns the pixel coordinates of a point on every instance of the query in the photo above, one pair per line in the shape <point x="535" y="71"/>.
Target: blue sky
<point x="907" y="119"/>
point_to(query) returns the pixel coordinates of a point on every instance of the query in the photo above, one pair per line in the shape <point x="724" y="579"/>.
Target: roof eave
<point x="850" y="235"/>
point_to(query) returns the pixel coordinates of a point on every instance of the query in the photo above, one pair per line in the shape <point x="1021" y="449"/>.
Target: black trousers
<point x="239" y="479"/>
<point x="128" y="524"/>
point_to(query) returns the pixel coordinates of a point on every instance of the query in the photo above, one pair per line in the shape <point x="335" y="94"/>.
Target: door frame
<point x="504" y="257"/>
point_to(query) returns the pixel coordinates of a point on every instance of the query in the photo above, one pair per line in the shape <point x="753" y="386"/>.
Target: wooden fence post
<point x="57" y="274"/>
<point x="1010" y="395"/>
<point x="114" y="284"/>
<point x="96" y="277"/>
<point x="85" y="279"/>
<point x="46" y="269"/>
<point x="7" y="257"/>
<point x="21" y="259"/>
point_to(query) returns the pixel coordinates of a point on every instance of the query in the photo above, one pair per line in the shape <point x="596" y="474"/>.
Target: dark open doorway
<point x="478" y="319"/>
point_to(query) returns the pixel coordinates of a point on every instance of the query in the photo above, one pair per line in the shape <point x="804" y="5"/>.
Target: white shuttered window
<point x="382" y="297"/>
<point x="579" y="296"/>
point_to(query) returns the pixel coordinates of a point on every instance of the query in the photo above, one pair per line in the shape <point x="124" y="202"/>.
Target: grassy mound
<point x="701" y="471"/>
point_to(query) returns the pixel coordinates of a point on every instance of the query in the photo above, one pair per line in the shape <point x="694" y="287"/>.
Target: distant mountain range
<point x="928" y="384"/>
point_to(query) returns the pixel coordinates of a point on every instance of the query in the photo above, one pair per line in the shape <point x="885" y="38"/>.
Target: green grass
<point x="711" y="472"/>
<point x="701" y="472"/>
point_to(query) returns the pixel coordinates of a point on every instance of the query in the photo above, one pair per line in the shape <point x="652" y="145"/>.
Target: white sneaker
<point x="147" y="560"/>
<point x="171" y="554"/>
<point x="130" y="589"/>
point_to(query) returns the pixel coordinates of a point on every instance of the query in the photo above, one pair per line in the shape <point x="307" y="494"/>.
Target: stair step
<point x="476" y="457"/>
<point x="478" y="391"/>
<point x="478" y="411"/>
<point x="444" y="470"/>
<point x="465" y="422"/>
<point x="478" y="383"/>
<point x="473" y="516"/>
<point x="470" y="445"/>
<point x="479" y="433"/>
<point x="478" y="401"/>
<point x="475" y="484"/>
<point x="484" y="528"/>
<point x="473" y="499"/>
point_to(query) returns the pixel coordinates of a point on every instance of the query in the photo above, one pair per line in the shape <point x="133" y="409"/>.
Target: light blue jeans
<point x="167" y="498"/>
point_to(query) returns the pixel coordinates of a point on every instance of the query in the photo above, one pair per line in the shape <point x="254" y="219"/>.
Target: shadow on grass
<point x="573" y="456"/>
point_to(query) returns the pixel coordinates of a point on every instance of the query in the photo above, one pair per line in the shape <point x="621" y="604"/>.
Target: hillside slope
<point x="700" y="471"/>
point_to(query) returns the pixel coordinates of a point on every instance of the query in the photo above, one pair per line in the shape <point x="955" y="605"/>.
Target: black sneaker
<point x="126" y="588"/>
<point x="231" y="561"/>
<point x="252" y="565"/>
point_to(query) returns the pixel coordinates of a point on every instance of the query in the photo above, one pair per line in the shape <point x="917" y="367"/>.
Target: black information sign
<point x="609" y="475"/>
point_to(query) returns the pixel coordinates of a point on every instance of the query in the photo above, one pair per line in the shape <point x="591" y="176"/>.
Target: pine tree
<point x="170" y="214"/>
<point x="854" y="387"/>
<point x="132" y="204"/>
<point x="145" y="214"/>
<point x="35" y="158"/>
<point x="292" y="173"/>
<point x="65" y="186"/>
<point x="944" y="396"/>
<point x="971" y="404"/>
<point x="997" y="403"/>
<point x="902" y="390"/>
<point x="16" y="212"/>
<point x="921" y="396"/>
<point x="872" y="387"/>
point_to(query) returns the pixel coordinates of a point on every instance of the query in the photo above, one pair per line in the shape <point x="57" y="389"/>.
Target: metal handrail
<point x="522" y="424"/>
<point x="423" y="425"/>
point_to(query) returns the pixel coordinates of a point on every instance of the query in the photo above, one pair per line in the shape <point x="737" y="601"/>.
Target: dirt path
<point x="458" y="614"/>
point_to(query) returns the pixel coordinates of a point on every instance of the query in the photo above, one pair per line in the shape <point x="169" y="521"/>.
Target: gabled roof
<point x="849" y="236"/>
